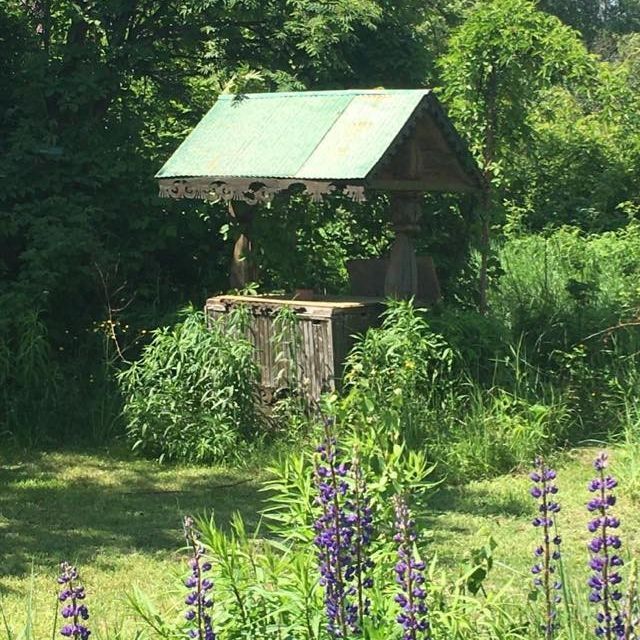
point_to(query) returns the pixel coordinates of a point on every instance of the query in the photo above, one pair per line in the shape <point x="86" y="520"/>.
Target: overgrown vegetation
<point x="534" y="347"/>
<point x="193" y="394"/>
<point x="95" y="96"/>
<point x="553" y="363"/>
<point x="477" y="404"/>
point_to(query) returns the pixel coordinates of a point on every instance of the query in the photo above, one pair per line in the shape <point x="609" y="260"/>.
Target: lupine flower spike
<point x="333" y="536"/>
<point x="343" y="531"/>
<point x="409" y="576"/>
<point x="362" y="522"/>
<point x="548" y="553"/>
<point x="74" y="611"/>
<point x="199" y="598"/>
<point x="605" y="559"/>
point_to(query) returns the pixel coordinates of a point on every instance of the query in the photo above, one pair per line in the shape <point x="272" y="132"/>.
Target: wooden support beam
<point x="401" y="280"/>
<point x="243" y="270"/>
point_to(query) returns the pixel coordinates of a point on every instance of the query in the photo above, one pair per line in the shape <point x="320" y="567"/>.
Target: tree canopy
<point x="95" y="94"/>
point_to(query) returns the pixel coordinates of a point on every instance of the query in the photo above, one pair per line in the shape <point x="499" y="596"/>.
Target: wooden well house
<point x="253" y="148"/>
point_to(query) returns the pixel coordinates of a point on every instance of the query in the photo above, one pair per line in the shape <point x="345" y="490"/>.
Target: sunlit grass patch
<point x="119" y="519"/>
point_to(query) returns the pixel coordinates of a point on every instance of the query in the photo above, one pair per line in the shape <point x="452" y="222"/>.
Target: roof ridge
<point x="320" y="93"/>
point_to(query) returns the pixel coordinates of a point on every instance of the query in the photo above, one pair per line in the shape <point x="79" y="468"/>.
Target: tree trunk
<point x="489" y="155"/>
<point x="483" y="284"/>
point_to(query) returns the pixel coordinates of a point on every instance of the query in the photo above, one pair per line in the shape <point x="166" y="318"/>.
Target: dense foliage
<point x="192" y="395"/>
<point x="94" y="96"/>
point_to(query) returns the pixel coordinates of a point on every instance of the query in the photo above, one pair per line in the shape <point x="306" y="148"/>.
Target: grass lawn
<point x="119" y="519"/>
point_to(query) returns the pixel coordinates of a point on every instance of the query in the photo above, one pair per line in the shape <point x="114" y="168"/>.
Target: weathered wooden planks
<point x="311" y="349"/>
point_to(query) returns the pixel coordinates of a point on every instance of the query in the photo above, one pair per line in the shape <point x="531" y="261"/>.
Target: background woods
<point x="95" y="95"/>
<point x="533" y="349"/>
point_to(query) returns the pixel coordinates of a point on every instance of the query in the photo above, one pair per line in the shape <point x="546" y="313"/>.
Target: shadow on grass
<point x="92" y="508"/>
<point x="460" y="518"/>
<point x="480" y="501"/>
<point x="66" y="506"/>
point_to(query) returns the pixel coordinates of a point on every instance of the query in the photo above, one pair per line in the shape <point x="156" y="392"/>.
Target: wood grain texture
<point x="324" y="336"/>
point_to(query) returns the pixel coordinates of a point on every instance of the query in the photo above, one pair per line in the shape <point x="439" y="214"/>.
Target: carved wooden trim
<point x="250" y="190"/>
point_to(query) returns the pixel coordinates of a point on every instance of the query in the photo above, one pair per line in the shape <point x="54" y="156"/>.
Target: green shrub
<point x="570" y="301"/>
<point x="480" y="341"/>
<point x="192" y="396"/>
<point x="29" y="378"/>
<point x="406" y="383"/>
<point x="560" y="289"/>
<point x="398" y="368"/>
<point x="485" y="432"/>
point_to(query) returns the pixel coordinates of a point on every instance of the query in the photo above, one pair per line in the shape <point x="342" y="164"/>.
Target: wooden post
<point x="401" y="280"/>
<point x="243" y="269"/>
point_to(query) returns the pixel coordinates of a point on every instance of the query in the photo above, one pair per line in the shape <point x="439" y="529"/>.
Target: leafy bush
<point x="487" y="432"/>
<point x="556" y="290"/>
<point x="570" y="302"/>
<point x="479" y="341"/>
<point x="192" y="396"/>
<point x="406" y="380"/>
<point x="29" y="376"/>
<point x="397" y="368"/>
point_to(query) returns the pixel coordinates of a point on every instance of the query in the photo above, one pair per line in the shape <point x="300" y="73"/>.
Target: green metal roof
<point x="315" y="135"/>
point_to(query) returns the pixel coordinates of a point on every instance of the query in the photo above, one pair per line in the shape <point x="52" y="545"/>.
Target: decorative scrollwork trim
<point x="251" y="191"/>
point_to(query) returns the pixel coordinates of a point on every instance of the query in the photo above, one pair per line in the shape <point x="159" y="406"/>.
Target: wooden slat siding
<point x="320" y="338"/>
<point x="264" y="348"/>
<point x="326" y="330"/>
<point x="267" y="342"/>
<point x="309" y="373"/>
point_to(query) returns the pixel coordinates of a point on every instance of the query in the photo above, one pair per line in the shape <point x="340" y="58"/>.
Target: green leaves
<point x="499" y="59"/>
<point x="401" y="360"/>
<point x="193" y="394"/>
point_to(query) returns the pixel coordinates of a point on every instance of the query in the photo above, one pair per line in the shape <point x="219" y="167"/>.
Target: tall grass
<point x="49" y="398"/>
<point x="628" y="456"/>
<point x="558" y="291"/>
<point x="29" y="378"/>
<point x="554" y="361"/>
<point x="27" y="631"/>
<point x="572" y="302"/>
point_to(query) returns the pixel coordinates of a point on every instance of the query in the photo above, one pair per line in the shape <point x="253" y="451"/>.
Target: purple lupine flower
<point x="333" y="536"/>
<point x="74" y="611"/>
<point x="343" y="532"/>
<point x="199" y="597"/>
<point x="409" y="576"/>
<point x="548" y="553"/>
<point x="362" y="519"/>
<point x="605" y="560"/>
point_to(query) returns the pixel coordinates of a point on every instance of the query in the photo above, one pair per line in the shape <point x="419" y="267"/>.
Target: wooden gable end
<point x="423" y="161"/>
